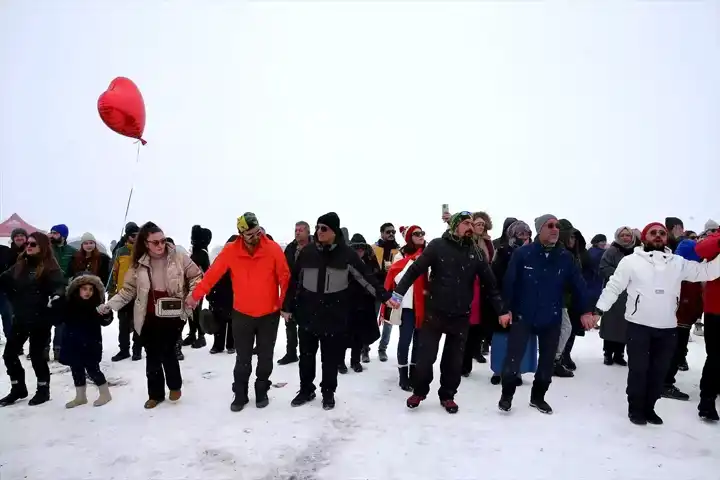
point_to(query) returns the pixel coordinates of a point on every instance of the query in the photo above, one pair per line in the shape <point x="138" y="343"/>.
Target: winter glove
<point x="51" y="300"/>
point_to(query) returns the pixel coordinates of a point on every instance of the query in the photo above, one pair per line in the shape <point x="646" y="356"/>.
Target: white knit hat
<point x="87" y="237"/>
<point x="711" y="225"/>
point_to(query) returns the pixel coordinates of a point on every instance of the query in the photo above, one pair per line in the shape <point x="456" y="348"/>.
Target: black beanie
<point x="672" y="222"/>
<point x="599" y="238"/>
<point x="357" y="238"/>
<point x="131" y="228"/>
<point x="332" y="220"/>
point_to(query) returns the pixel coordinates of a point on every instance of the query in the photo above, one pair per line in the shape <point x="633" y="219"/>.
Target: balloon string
<point x="127" y="211"/>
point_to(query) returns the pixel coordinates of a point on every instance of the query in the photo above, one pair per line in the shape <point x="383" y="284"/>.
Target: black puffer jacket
<point x="29" y="295"/>
<point x="319" y="295"/>
<point x="454" y="264"/>
<point x="200" y="239"/>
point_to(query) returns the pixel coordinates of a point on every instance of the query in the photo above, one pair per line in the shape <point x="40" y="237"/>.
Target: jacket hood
<point x="200" y="237"/>
<point x="506" y="224"/>
<point x="357" y="238"/>
<point x="664" y="256"/>
<point x="85" y="279"/>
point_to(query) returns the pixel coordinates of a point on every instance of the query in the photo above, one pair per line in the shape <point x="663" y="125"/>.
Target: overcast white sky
<point x="603" y="112"/>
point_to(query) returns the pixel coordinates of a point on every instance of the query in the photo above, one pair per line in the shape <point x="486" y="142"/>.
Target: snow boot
<point x="561" y="371"/>
<point x="18" y="391"/>
<point x="608" y="359"/>
<point x="683" y="366"/>
<point x="404" y="379"/>
<point x="537" y="399"/>
<point x="328" y="401"/>
<point x="80" y="397"/>
<point x="568" y="362"/>
<point x="672" y="392"/>
<point x="231" y="351"/>
<point x="357" y="367"/>
<point x="342" y="368"/>
<point x="189" y="340"/>
<point x="382" y="355"/>
<point x="215" y="350"/>
<point x="178" y="351"/>
<point x="120" y="356"/>
<point x="414" y="401"/>
<point x="302" y="398"/>
<point x="449" y="405"/>
<point x="239" y="401"/>
<point x="104" y="396"/>
<point x="637" y="418"/>
<point x="152" y="403"/>
<point x="480" y="358"/>
<point x="288" y="359"/>
<point x="652" y="417"/>
<point x="261" y="397"/>
<point x="707" y="410"/>
<point x="41" y="396"/>
<point x="201" y="342"/>
<point x="495" y="379"/>
<point x="174" y="395"/>
<point x="505" y="403"/>
<point x="619" y="359"/>
<point x="365" y="355"/>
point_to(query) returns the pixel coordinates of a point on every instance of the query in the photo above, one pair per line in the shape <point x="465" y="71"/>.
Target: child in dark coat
<point x="82" y="341"/>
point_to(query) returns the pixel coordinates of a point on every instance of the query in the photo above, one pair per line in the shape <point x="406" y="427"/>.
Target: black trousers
<point x="250" y="331"/>
<point x="548" y="340"/>
<point x="650" y="353"/>
<point x="93" y="371"/>
<point x="451" y="363"/>
<point x="683" y="337"/>
<point x="195" y="327"/>
<point x="710" y="380"/>
<point x="291" y="331"/>
<point x="159" y="337"/>
<point x="331" y="351"/>
<point x="476" y="335"/>
<point x="355" y="348"/>
<point x="611" y="348"/>
<point x="39" y="336"/>
<point x="224" y="339"/>
<point x="126" y="329"/>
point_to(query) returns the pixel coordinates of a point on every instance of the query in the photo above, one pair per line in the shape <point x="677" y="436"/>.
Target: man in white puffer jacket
<point x="652" y="277"/>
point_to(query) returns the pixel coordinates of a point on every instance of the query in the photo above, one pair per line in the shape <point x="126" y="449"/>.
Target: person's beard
<point x="654" y="247"/>
<point x="56" y="241"/>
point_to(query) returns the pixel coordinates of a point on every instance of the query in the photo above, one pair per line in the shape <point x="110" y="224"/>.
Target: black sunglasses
<point x="32" y="244"/>
<point x="389" y="232"/>
<point x="418" y="233"/>
<point x="322" y="228"/>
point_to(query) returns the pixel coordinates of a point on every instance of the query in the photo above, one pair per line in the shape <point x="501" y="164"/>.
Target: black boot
<point x="495" y="379"/>
<point x="200" y="342"/>
<point x="120" y="356"/>
<point x="41" y="396"/>
<point x="342" y="368"/>
<point x="707" y="410"/>
<point x="568" y="363"/>
<point x="672" y="392"/>
<point x="619" y="359"/>
<point x="508" y="391"/>
<point x="537" y="399"/>
<point x="328" y="401"/>
<point x="178" y="351"/>
<point x="302" y="398"/>
<point x="365" y="355"/>
<point x="683" y="366"/>
<point x="240" y="400"/>
<point x="404" y="382"/>
<point x="652" y="417"/>
<point x="18" y="391"/>
<point x="636" y="414"/>
<point x="261" y="396"/>
<point x="189" y="340"/>
<point x="290" y="357"/>
<point x="561" y="371"/>
<point x="356" y="366"/>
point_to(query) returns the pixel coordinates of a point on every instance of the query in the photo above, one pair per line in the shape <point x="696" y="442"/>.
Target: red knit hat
<point x="407" y="232"/>
<point x="647" y="228"/>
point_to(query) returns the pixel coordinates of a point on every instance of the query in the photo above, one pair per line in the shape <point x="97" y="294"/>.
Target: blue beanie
<point x="686" y="249"/>
<point x="61" y="229"/>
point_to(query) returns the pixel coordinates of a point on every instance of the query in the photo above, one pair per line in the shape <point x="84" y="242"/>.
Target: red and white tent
<point x="14" y="222"/>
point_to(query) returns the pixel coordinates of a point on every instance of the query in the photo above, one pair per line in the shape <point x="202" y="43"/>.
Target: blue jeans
<point x="408" y="334"/>
<point x="385" y="337"/>
<point x="6" y="314"/>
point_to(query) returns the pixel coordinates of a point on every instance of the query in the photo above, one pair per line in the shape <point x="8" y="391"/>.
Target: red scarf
<point x="419" y="287"/>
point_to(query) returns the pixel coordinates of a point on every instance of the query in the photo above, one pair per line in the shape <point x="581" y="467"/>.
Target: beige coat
<point x="182" y="278"/>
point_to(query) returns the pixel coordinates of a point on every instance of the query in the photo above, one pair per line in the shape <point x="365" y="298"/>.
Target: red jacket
<point x="690" y="307"/>
<point x="708" y="249"/>
<point x="259" y="281"/>
<point x="419" y="287"/>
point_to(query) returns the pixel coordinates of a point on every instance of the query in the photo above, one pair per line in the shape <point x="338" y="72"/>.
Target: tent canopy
<point x="14" y="222"/>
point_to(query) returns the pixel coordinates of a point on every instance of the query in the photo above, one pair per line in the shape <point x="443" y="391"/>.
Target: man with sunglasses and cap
<point x="319" y="299"/>
<point x="260" y="275"/>
<point x="653" y="279"/>
<point x="385" y="251"/>
<point x="454" y="262"/>
<point x="534" y="289"/>
<point x="122" y="260"/>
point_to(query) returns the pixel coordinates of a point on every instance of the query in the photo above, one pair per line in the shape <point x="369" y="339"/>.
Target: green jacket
<point x="63" y="255"/>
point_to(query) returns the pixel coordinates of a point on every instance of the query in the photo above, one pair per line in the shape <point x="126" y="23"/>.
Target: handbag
<point x="168" y="307"/>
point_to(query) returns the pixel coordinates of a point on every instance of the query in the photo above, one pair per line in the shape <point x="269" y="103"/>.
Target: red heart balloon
<point x="122" y="108"/>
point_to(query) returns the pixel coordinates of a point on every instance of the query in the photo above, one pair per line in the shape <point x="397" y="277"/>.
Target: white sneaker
<point x="699" y="330"/>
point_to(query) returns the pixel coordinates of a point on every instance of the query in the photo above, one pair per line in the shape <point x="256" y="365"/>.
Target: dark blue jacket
<point x="535" y="283"/>
<point x="593" y="279"/>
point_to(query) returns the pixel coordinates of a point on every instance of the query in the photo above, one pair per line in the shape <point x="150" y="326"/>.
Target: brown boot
<point x="152" y="403"/>
<point x="175" y="395"/>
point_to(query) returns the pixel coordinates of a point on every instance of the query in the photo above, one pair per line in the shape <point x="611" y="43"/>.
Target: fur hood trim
<point x="85" y="279"/>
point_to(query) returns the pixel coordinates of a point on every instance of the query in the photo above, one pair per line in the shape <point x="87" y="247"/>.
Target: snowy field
<point x="370" y="434"/>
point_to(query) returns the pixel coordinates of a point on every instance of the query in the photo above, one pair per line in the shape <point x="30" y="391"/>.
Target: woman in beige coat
<point x="159" y="280"/>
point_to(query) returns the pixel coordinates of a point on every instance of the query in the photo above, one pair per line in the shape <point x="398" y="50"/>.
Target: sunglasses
<point x="418" y="233"/>
<point x="322" y="228"/>
<point x="132" y="235"/>
<point x="157" y="243"/>
<point x="553" y="226"/>
<point x="657" y="233"/>
<point x="32" y="244"/>
<point x="389" y="232"/>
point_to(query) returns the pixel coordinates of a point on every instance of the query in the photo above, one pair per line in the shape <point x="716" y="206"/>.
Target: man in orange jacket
<point x="260" y="276"/>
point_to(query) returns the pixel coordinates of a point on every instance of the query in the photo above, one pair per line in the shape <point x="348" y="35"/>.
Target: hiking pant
<point x="39" y="336"/>
<point x="650" y="353"/>
<point x="548" y="337"/>
<point x="683" y="336"/>
<point x="254" y="331"/>
<point x="126" y="329"/>
<point x="331" y="351"/>
<point x="162" y="367"/>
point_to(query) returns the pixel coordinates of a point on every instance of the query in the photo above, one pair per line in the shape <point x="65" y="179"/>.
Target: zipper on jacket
<point x="637" y="301"/>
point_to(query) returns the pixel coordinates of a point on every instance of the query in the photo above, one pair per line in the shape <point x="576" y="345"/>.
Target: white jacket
<point x="652" y="281"/>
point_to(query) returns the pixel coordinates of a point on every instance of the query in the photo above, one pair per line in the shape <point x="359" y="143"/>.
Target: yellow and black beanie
<point x="247" y="221"/>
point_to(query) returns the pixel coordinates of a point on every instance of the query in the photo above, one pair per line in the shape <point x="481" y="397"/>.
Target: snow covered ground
<point x="370" y="434"/>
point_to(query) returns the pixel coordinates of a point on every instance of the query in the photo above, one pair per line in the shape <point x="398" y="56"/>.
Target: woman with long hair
<point x="90" y="259"/>
<point x="30" y="284"/>
<point x="413" y="305"/>
<point x="160" y="278"/>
